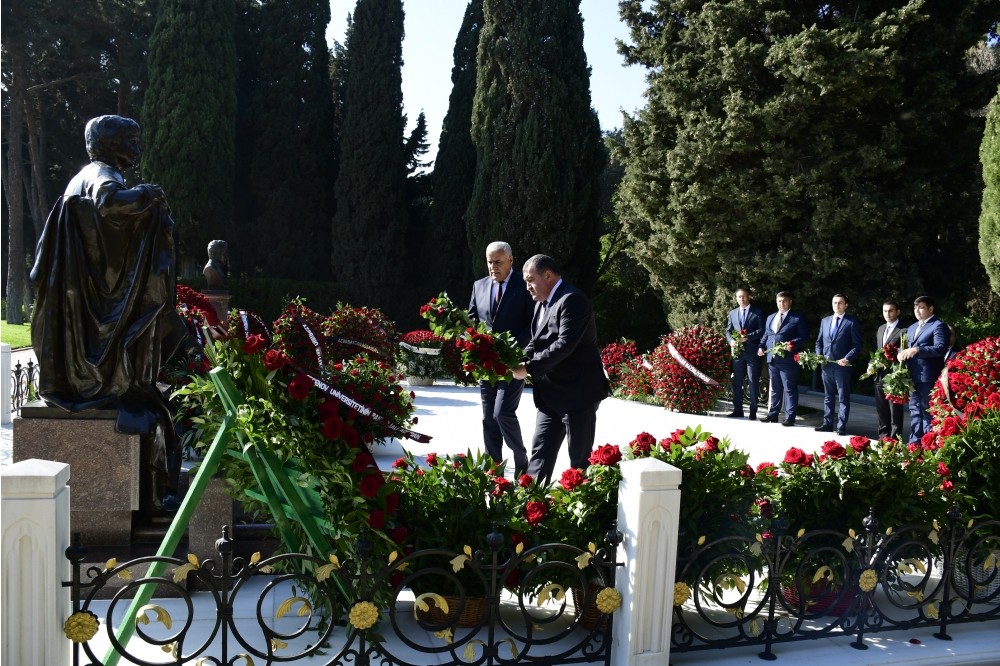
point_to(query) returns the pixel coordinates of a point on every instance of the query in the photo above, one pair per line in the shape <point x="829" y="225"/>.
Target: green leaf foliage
<point x="989" y="219"/>
<point x="803" y="146"/>
<point x="189" y="120"/>
<point x="538" y="142"/>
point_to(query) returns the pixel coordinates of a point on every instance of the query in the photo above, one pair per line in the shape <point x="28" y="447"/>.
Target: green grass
<point x="15" y="335"/>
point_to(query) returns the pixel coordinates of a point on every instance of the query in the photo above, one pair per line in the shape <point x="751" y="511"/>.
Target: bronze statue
<point x="217" y="268"/>
<point x="104" y="320"/>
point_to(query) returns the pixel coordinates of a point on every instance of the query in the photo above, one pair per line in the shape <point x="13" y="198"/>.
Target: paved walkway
<point x="452" y="416"/>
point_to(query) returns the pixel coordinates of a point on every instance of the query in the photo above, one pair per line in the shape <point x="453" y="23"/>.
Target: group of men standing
<point x="927" y="344"/>
<point x="554" y="322"/>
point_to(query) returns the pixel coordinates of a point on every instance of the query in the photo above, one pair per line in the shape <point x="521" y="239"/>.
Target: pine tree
<point x="989" y="220"/>
<point x="291" y="125"/>
<point x="804" y="147"/>
<point x="538" y="142"/>
<point x="189" y="121"/>
<point x="370" y="222"/>
<point x="446" y="249"/>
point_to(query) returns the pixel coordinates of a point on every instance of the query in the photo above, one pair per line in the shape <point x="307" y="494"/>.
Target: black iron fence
<point x="23" y="384"/>
<point x="774" y="587"/>
<point x="551" y="604"/>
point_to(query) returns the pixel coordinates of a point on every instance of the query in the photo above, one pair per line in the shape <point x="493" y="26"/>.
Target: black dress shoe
<point x="789" y="423"/>
<point x="824" y="428"/>
<point x="734" y="415"/>
<point x="769" y="419"/>
<point x="841" y="432"/>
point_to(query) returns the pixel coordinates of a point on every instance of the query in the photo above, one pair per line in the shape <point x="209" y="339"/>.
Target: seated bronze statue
<point x="104" y="320"/>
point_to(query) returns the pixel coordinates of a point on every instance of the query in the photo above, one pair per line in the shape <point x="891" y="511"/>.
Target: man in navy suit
<point x="926" y="345"/>
<point x="565" y="365"/>
<point x="784" y="326"/>
<point x="745" y="323"/>
<point x="501" y="301"/>
<point x="840" y="342"/>
<point x="890" y="414"/>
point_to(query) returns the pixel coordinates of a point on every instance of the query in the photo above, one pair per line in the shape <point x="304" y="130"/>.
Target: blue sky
<point x="431" y="28"/>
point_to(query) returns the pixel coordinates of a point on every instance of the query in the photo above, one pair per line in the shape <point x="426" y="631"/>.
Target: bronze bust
<point x="104" y="320"/>
<point x="217" y="268"/>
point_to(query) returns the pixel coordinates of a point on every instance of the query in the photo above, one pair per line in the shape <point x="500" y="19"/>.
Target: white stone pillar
<point x="649" y="501"/>
<point x="34" y="535"/>
<point x="5" y="368"/>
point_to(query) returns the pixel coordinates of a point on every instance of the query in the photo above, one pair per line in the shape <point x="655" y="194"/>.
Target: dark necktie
<point x="833" y="329"/>
<point x="496" y="301"/>
<point x="743" y="318"/>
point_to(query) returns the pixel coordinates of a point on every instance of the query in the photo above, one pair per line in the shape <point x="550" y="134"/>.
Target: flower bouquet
<point x="782" y="349"/>
<point x="898" y="384"/>
<point x="970" y="382"/>
<point x="808" y="360"/>
<point x="739" y="342"/>
<point x="690" y="369"/>
<point x="882" y="360"/>
<point x="629" y="373"/>
<point x="485" y="355"/>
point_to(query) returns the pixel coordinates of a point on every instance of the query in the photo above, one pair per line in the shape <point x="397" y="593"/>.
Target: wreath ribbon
<point x="686" y="364"/>
<point x="428" y="351"/>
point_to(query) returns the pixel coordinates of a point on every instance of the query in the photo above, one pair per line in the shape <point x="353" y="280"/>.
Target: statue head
<point x="113" y="140"/>
<point x="218" y="250"/>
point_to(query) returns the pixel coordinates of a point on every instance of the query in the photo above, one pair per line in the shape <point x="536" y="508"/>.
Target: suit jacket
<point x="753" y="324"/>
<point x="793" y="329"/>
<point x="894" y="339"/>
<point x="563" y="357"/>
<point x="845" y="342"/>
<point x="933" y="343"/>
<point x="514" y="312"/>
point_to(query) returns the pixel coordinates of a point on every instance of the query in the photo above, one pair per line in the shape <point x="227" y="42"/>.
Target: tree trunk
<point x="17" y="276"/>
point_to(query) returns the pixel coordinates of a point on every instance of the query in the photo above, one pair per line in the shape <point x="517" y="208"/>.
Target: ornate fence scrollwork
<point x="778" y="588"/>
<point x="23" y="384"/>
<point x="298" y="611"/>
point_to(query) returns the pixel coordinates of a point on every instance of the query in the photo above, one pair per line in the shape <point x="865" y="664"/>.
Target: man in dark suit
<point x="745" y="324"/>
<point x="840" y="342"/>
<point x="890" y="414"/>
<point x="565" y="365"/>
<point x="784" y="326"/>
<point x="926" y="345"/>
<point x="501" y="301"/>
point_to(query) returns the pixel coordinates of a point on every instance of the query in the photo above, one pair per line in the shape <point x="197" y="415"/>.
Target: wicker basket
<point x="472" y="613"/>
<point x="984" y="583"/>
<point x="586" y="607"/>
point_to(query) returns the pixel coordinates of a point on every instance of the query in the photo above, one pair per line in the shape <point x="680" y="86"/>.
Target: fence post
<point x="8" y="387"/>
<point x="649" y="501"/>
<point x="34" y="535"/>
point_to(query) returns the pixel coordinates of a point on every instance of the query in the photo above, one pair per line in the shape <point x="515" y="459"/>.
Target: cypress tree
<point x="189" y="121"/>
<point x="537" y="139"/>
<point x="446" y="249"/>
<point x="801" y="146"/>
<point x="370" y="223"/>
<point x="989" y="219"/>
<point x="291" y="127"/>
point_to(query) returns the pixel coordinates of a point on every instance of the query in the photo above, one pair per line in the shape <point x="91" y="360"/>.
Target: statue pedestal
<point x="104" y="466"/>
<point x="219" y="298"/>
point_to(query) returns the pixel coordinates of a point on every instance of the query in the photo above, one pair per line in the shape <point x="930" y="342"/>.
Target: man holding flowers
<point x="839" y="341"/>
<point x="927" y="343"/>
<point x="501" y="301"/>
<point x="744" y="328"/>
<point x="785" y="332"/>
<point x="890" y="414"/>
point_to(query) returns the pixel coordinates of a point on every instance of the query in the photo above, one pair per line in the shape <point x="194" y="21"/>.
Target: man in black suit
<point x="746" y="324"/>
<point x="501" y="301"/>
<point x="565" y="365"/>
<point x="890" y="414"/>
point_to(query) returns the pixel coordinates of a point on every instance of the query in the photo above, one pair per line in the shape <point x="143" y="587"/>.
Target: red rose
<point x="943" y="470"/>
<point x="768" y="467"/>
<point x="765" y="508"/>
<point x="643" y="443"/>
<point x="274" y="359"/>
<point x="501" y="485"/>
<point x="795" y="456"/>
<point x="392" y="502"/>
<point x="332" y="428"/>
<point x="518" y="538"/>
<point x="606" y="454"/>
<point x="432" y="460"/>
<point x="711" y="444"/>
<point x="350" y="436"/>
<point x="398" y="534"/>
<point x="362" y="461"/>
<point x="254" y="344"/>
<point x="376" y="519"/>
<point x="808" y="461"/>
<point x="535" y="512"/>
<point x="833" y="450"/>
<point x="369" y="485"/>
<point x="299" y="387"/>
<point x="859" y="443"/>
<point x="929" y="441"/>
<point x="572" y="478"/>
<point x="947" y="485"/>
<point x="401" y="463"/>
<point x="525" y="480"/>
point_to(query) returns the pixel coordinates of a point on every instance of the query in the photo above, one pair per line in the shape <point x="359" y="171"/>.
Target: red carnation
<point x="332" y="428"/>
<point x="299" y="387"/>
<point x="370" y="483"/>
<point x="943" y="470"/>
<point x="362" y="461"/>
